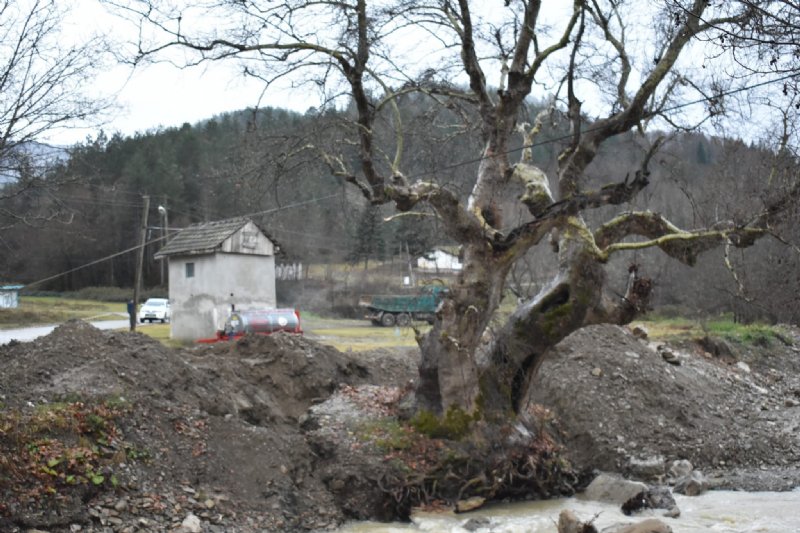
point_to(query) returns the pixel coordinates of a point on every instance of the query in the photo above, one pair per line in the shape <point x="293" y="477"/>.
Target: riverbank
<point x="742" y="512"/>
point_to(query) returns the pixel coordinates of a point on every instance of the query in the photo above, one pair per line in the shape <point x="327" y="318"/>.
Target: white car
<point x="154" y="309"/>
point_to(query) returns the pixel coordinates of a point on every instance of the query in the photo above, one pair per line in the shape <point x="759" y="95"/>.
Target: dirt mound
<point x="623" y="407"/>
<point x="213" y="420"/>
<point x="78" y="359"/>
<point x="270" y="379"/>
<point x="114" y="430"/>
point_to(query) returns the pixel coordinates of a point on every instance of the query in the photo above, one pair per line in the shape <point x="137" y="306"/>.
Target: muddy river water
<point x="716" y="511"/>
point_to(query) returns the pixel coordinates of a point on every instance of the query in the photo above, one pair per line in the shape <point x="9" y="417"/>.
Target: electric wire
<point x="321" y="239"/>
<point x="89" y="201"/>
<point x="113" y="189"/>
<point x="593" y="129"/>
<point x="95" y="262"/>
<point x="157" y="239"/>
<point x="532" y="145"/>
<point x="444" y="168"/>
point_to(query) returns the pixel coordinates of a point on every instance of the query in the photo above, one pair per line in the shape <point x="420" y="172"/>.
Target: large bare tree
<point x="45" y="77"/>
<point x="626" y="62"/>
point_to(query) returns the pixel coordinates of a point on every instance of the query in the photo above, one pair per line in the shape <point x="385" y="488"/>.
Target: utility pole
<point x="410" y="266"/>
<point x="137" y="283"/>
<point x="162" y="210"/>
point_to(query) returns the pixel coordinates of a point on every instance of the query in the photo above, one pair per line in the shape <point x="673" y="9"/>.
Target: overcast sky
<point x="160" y="95"/>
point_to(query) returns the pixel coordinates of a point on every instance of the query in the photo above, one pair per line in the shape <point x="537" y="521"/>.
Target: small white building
<point x="214" y="266"/>
<point x="9" y="296"/>
<point x="441" y="259"/>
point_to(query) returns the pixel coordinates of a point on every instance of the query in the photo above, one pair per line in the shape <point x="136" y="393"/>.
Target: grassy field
<point x="160" y="332"/>
<point x="676" y="328"/>
<point x="358" y="335"/>
<point x="35" y="310"/>
<point x="344" y="335"/>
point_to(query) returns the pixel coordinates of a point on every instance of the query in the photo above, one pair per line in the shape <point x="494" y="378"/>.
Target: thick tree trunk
<point x="487" y="374"/>
<point x="449" y="377"/>
<point x="573" y="299"/>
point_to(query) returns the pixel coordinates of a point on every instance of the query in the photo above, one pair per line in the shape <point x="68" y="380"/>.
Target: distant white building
<point x="441" y="259"/>
<point x="9" y="296"/>
<point x="214" y="266"/>
<point x="290" y="271"/>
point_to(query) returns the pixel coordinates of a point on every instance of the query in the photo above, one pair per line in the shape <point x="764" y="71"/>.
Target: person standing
<point x="132" y="314"/>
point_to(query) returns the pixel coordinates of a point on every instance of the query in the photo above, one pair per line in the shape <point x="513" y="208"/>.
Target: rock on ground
<point x="612" y="489"/>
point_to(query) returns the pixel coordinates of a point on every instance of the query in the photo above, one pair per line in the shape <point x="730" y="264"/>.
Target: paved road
<point x="28" y="334"/>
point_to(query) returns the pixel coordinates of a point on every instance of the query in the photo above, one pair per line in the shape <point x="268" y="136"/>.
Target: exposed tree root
<point x="502" y="468"/>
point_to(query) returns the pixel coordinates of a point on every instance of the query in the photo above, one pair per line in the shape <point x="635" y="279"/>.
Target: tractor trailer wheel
<point x="387" y="320"/>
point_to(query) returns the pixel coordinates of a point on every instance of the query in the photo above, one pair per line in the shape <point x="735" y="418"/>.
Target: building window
<point x="189" y="270"/>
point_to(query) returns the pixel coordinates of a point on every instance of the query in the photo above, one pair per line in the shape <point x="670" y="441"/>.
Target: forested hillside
<point x="261" y="163"/>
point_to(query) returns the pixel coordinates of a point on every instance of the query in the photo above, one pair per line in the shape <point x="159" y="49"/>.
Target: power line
<point x="95" y="262"/>
<point x="264" y="212"/>
<point x="512" y="150"/>
<point x="257" y="213"/>
<point x="593" y="129"/>
<point x="298" y="204"/>
<point x="157" y="239"/>
<point x="113" y="189"/>
<point x="76" y="199"/>
<point x="447" y="167"/>
<point x="321" y="239"/>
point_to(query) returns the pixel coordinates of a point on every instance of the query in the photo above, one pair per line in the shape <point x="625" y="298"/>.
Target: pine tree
<point x="369" y="241"/>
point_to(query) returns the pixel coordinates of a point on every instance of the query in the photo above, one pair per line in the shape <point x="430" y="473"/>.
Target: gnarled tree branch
<point x="687" y="245"/>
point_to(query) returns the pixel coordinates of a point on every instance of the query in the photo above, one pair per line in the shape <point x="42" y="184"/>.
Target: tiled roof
<point x="202" y="238"/>
<point x="452" y="250"/>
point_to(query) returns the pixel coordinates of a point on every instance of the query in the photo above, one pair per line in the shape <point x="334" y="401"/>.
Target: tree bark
<point x="448" y="371"/>
<point x="571" y="300"/>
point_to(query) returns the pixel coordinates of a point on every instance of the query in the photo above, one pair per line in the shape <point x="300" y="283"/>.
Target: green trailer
<point x="400" y="309"/>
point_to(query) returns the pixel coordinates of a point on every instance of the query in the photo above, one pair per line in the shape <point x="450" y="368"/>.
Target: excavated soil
<point x="621" y="407"/>
<point x="218" y="424"/>
<point x="222" y="432"/>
